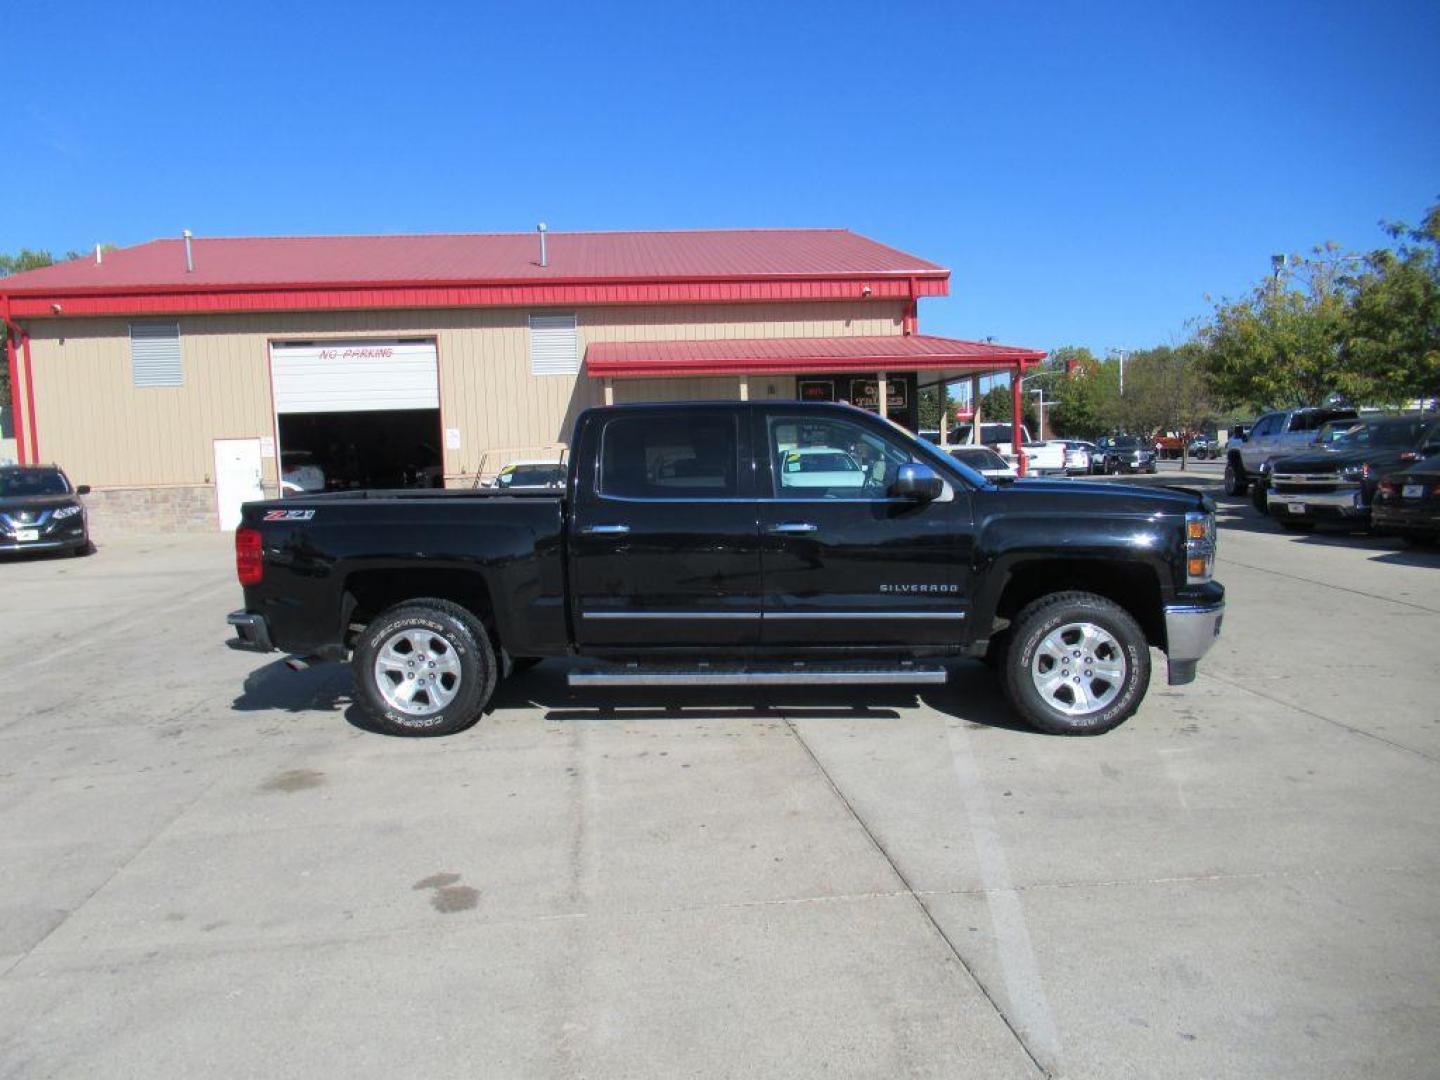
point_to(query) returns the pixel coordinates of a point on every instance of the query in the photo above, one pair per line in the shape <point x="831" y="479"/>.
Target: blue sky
<point x="1089" y="172"/>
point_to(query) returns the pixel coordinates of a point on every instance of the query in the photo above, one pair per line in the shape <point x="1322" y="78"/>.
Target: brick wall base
<point x="121" y="511"/>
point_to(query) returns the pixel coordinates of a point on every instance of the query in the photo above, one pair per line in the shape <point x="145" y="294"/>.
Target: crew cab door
<point x="664" y="541"/>
<point x="1261" y="444"/>
<point x="845" y="562"/>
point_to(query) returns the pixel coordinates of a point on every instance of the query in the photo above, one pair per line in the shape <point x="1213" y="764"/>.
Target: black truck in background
<point x="736" y="543"/>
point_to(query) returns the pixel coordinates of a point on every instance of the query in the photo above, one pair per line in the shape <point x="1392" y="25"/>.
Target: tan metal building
<point x="181" y="377"/>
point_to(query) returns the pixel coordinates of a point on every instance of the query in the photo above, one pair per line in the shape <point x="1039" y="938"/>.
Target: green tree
<point x="997" y="408"/>
<point x="933" y="400"/>
<point x="1394" y="331"/>
<point x="23" y="260"/>
<point x="1282" y="344"/>
<point x="1081" y="402"/>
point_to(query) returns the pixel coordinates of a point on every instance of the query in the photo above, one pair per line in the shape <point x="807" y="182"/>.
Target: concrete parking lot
<point x="210" y="868"/>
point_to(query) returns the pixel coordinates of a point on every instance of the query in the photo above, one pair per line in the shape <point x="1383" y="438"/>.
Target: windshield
<point x="1375" y="433"/>
<point x="20" y="483"/>
<point x="1124" y="442"/>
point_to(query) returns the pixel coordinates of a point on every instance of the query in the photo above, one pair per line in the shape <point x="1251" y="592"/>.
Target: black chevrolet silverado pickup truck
<point x="735" y="543"/>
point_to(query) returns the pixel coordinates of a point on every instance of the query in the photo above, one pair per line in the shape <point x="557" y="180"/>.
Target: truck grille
<point x="1308" y="483"/>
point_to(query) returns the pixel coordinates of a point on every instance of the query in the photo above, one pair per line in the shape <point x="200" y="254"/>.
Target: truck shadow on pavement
<point x="1235" y="513"/>
<point x="971" y="696"/>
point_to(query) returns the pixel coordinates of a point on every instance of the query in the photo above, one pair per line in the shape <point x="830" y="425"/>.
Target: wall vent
<point x="554" y="345"/>
<point x="155" y="354"/>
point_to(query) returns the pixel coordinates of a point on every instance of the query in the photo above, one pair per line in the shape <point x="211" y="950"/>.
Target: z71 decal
<point x="288" y="515"/>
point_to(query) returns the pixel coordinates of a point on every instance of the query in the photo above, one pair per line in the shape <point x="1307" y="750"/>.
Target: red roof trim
<point x="795" y="356"/>
<point x="174" y="301"/>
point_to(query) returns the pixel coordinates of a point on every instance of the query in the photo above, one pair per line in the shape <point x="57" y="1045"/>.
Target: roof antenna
<point x="544" y="261"/>
<point x="99" y="255"/>
<point x="189" y="254"/>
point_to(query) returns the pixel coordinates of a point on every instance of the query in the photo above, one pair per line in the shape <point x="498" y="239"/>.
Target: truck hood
<point x="36" y="503"/>
<point x="1329" y="461"/>
<point x="1113" y="498"/>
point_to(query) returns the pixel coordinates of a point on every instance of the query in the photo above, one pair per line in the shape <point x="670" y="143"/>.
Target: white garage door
<point x="354" y="376"/>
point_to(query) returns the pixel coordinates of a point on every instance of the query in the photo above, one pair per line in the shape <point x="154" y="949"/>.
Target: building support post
<point x="882" y="394"/>
<point x="29" y="398"/>
<point x="975" y="410"/>
<point x="11" y="348"/>
<point x="609" y="391"/>
<point x="744" y="387"/>
<point x="1017" y="443"/>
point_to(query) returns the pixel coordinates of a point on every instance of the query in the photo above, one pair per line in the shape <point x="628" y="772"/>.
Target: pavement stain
<point x="294" y="780"/>
<point x="449" y="896"/>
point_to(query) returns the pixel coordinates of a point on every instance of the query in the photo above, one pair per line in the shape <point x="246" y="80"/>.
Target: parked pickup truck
<point x="1276" y="434"/>
<point x="1336" y="482"/>
<point x="1041" y="458"/>
<point x="720" y="543"/>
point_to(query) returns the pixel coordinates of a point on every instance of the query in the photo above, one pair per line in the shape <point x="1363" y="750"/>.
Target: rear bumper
<point x="252" y="632"/>
<point x="1190" y="630"/>
<point x="1391" y="518"/>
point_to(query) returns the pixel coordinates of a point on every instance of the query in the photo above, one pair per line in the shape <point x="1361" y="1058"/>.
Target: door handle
<point x="606" y="530"/>
<point x="794" y="527"/>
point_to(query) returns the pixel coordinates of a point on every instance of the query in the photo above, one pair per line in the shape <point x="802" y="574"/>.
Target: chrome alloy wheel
<point x="417" y="672"/>
<point x="1079" y="668"/>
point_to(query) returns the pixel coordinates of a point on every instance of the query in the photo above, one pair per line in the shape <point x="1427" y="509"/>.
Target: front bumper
<point x="1190" y="630"/>
<point x="9" y="545"/>
<point x="252" y="632"/>
<point x="1346" y="504"/>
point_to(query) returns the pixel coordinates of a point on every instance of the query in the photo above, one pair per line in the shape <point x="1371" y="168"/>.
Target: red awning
<point x="798" y="356"/>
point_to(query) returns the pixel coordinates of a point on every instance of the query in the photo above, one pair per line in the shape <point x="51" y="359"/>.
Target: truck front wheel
<point x="1078" y="664"/>
<point x="424" y="667"/>
<point x="1235" y="479"/>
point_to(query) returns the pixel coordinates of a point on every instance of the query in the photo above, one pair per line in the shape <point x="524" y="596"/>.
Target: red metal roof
<point x="431" y="260"/>
<point x="780" y="356"/>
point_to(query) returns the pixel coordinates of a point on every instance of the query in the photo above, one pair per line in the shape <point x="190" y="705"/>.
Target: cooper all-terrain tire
<point x="424" y="667"/>
<point x="1235" y="479"/>
<point x="1260" y="497"/>
<point x="1078" y="664"/>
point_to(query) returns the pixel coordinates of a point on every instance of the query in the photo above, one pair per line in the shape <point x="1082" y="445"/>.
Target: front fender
<point x="1141" y="544"/>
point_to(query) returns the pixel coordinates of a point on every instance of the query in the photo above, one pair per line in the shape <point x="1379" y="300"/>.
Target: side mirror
<point x="918" y="482"/>
<point x="84" y="489"/>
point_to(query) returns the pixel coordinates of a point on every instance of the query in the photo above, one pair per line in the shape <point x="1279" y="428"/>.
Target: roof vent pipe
<point x="189" y="254"/>
<point x="99" y="255"/>
<point x="544" y="260"/>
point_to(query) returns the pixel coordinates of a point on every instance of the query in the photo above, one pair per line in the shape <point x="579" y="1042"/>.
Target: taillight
<point x="249" y="567"/>
<point x="1388" y="487"/>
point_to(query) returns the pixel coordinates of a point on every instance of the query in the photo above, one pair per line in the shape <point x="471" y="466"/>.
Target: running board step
<point x="756" y="675"/>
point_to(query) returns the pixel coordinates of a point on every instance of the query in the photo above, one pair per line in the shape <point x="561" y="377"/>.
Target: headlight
<point x="65" y="512"/>
<point x="1355" y="472"/>
<point x="1200" y="543"/>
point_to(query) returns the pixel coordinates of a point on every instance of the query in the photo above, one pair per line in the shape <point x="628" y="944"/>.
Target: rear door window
<point x="644" y="457"/>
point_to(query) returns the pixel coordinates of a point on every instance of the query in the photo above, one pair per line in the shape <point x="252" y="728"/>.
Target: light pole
<point x="1121" y="355"/>
<point x="1041" y="392"/>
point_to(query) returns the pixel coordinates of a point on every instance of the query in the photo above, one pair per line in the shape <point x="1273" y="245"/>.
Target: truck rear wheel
<point x="1078" y="664"/>
<point x="424" y="667"/>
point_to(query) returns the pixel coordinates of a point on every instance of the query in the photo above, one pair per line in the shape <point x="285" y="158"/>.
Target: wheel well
<point x="1234" y="458"/>
<point x="369" y="592"/>
<point x="1133" y="586"/>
